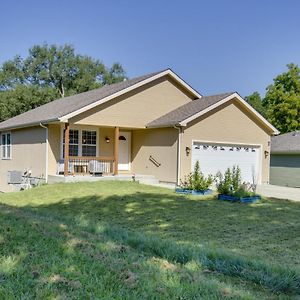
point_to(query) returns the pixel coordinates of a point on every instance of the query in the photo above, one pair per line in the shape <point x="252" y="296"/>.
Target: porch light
<point x="266" y="153"/>
<point x="107" y="140"/>
<point x="187" y="151"/>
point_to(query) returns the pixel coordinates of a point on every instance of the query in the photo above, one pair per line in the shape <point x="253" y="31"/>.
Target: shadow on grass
<point x="43" y="257"/>
<point x="268" y="230"/>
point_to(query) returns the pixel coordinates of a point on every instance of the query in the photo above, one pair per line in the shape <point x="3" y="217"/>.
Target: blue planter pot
<point x="228" y="198"/>
<point x="251" y="199"/>
<point x="191" y="192"/>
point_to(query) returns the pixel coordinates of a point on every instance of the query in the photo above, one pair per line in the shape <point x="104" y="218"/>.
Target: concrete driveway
<point x="280" y="192"/>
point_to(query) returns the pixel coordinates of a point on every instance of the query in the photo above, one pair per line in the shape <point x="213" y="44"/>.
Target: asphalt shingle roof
<point x="52" y="111"/>
<point x="286" y="143"/>
<point x="187" y="110"/>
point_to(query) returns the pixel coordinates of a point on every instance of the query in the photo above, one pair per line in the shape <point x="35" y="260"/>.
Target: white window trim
<point x="80" y="129"/>
<point x="10" y="157"/>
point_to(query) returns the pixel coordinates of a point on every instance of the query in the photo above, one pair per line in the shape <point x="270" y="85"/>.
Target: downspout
<point x="47" y="144"/>
<point x="178" y="154"/>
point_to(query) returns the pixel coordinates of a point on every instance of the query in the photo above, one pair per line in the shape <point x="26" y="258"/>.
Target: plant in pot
<point x="231" y="188"/>
<point x="195" y="182"/>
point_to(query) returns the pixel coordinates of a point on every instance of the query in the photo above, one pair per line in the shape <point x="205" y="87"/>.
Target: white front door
<point x="124" y="151"/>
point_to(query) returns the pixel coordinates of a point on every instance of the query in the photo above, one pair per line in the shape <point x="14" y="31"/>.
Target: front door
<point x="124" y="151"/>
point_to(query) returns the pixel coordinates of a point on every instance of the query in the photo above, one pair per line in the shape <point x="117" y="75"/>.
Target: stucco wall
<point x="228" y="123"/>
<point x="162" y="145"/>
<point x="53" y="147"/>
<point x="137" y="108"/>
<point x="28" y="153"/>
<point x="285" y="170"/>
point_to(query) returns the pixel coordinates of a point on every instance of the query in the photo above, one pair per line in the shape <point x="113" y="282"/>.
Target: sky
<point x="214" y="45"/>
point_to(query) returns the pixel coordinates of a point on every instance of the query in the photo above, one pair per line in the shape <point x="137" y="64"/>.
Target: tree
<point x="256" y="102"/>
<point x="50" y="72"/>
<point x="282" y="100"/>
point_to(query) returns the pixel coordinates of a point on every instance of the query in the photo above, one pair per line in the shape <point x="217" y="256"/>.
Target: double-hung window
<point x="6" y="146"/>
<point x="73" y="142"/>
<point x="89" y="143"/>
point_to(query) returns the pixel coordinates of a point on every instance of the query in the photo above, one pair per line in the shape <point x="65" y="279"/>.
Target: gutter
<point x="47" y="146"/>
<point x="31" y="124"/>
<point x="178" y="154"/>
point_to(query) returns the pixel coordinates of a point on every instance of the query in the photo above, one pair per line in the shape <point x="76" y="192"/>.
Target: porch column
<point x="116" y="150"/>
<point x="66" y="152"/>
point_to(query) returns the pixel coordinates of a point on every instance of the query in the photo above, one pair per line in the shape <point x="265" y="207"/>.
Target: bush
<point x="231" y="183"/>
<point x="196" y="180"/>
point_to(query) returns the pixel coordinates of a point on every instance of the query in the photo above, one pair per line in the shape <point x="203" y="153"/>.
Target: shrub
<point x="231" y="183"/>
<point x="196" y="180"/>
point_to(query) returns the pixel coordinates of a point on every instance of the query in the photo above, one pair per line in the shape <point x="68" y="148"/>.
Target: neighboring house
<point x="285" y="159"/>
<point x="155" y="124"/>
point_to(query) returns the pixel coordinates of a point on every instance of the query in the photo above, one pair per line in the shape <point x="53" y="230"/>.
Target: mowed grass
<point x="120" y="240"/>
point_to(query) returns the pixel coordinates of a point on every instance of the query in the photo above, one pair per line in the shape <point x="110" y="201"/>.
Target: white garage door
<point x="218" y="157"/>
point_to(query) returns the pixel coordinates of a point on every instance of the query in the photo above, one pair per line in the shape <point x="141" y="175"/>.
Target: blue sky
<point x="215" y="45"/>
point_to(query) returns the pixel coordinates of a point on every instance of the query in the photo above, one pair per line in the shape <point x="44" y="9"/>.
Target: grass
<point x="120" y="240"/>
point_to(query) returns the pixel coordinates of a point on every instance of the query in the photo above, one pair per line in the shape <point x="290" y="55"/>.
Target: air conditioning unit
<point x="14" y="177"/>
<point x="96" y="167"/>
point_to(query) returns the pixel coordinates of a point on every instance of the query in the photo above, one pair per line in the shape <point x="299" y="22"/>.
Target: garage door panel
<point x="214" y="158"/>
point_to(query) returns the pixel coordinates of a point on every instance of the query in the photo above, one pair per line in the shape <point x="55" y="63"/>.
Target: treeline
<point x="50" y="72"/>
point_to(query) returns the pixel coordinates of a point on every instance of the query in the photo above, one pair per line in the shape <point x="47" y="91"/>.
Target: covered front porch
<point x="93" y="151"/>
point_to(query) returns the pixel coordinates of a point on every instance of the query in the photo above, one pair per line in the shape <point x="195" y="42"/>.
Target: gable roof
<point x="65" y="108"/>
<point x="188" y="112"/>
<point x="178" y="115"/>
<point x="286" y="143"/>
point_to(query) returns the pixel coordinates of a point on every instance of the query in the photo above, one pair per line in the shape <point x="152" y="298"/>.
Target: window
<point x="73" y="142"/>
<point x="89" y="143"/>
<point x="6" y="146"/>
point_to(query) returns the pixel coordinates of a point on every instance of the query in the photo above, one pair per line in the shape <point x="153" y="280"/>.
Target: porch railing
<point x="93" y="165"/>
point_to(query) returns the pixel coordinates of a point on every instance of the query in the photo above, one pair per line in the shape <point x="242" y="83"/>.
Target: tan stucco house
<point x="156" y="124"/>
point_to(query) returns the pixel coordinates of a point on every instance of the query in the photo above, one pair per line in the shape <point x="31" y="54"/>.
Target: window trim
<point x="92" y="145"/>
<point x="80" y="129"/>
<point x="5" y="157"/>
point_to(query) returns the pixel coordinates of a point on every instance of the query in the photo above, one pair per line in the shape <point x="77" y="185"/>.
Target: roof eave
<point x="230" y="97"/>
<point x="29" y="124"/>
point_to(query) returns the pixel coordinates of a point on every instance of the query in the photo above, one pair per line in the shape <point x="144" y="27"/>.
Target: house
<point x="285" y="159"/>
<point x="156" y="124"/>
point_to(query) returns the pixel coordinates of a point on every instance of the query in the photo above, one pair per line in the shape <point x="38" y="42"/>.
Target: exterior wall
<point x="53" y="148"/>
<point x="228" y="123"/>
<point x="162" y="145"/>
<point x="137" y="108"/>
<point x="28" y="153"/>
<point x="285" y="170"/>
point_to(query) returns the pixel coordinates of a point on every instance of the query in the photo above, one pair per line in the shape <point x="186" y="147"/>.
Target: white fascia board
<point x="228" y="98"/>
<point x="143" y="82"/>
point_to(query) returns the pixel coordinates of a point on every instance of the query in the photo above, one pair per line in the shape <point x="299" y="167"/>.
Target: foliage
<point x="231" y="183"/>
<point x="143" y="242"/>
<point x="256" y="102"/>
<point x="282" y="100"/>
<point x="196" y="180"/>
<point x="47" y="73"/>
<point x="281" y="104"/>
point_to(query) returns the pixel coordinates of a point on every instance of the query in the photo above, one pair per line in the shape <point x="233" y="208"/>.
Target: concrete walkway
<point x="280" y="192"/>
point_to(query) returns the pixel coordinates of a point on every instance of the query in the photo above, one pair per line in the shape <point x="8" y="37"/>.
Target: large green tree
<point x="282" y="100"/>
<point x="47" y="73"/>
<point x="256" y="102"/>
<point x="281" y="104"/>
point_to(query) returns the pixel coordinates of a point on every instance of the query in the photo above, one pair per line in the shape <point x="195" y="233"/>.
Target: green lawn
<point x="120" y="240"/>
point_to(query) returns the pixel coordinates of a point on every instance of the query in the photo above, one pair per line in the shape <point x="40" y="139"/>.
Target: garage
<point x="215" y="157"/>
